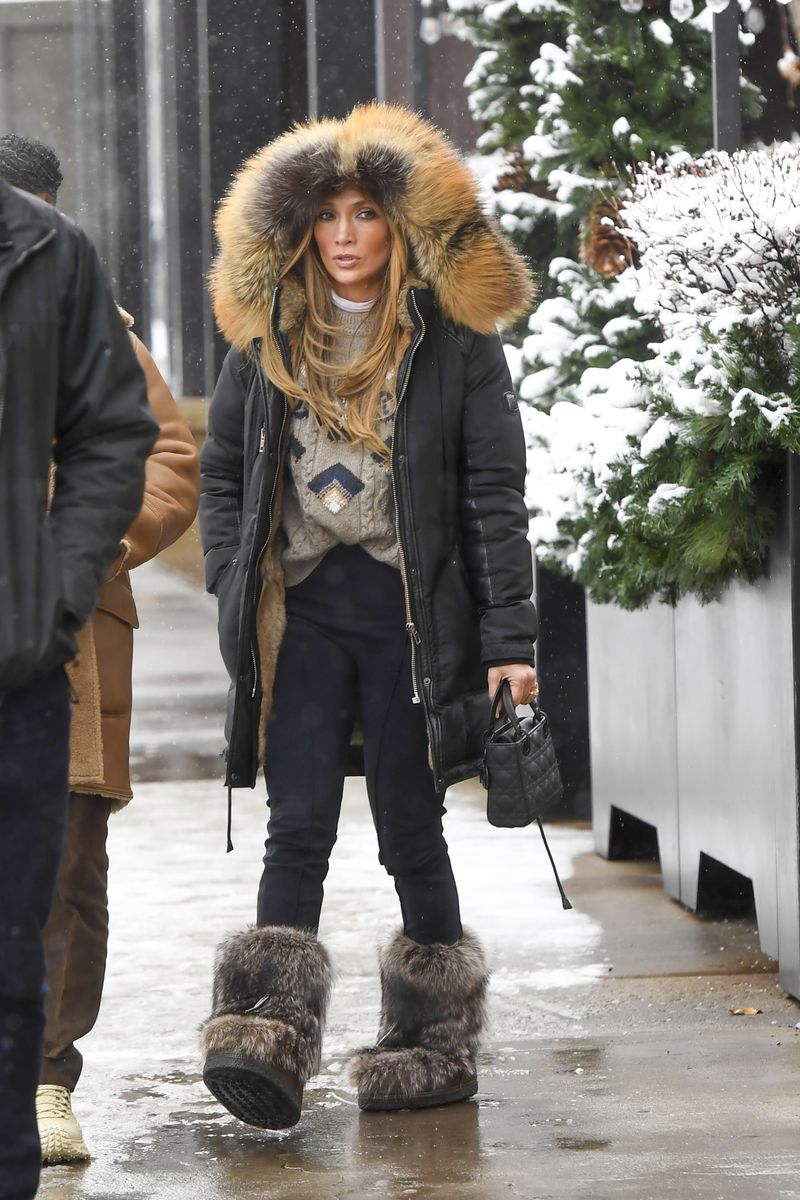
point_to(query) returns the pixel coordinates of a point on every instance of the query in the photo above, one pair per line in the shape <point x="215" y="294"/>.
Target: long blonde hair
<point x="362" y="383"/>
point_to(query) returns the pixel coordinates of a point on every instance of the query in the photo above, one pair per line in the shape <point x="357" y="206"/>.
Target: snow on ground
<point x="592" y="1082"/>
<point x="174" y="893"/>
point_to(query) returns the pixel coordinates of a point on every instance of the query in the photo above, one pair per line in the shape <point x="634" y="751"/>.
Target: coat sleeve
<point x="171" y="473"/>
<point x="104" y="429"/>
<point x="222" y="469"/>
<point x="494" y="520"/>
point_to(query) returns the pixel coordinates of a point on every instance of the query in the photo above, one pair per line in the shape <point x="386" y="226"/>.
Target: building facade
<point x="152" y="105"/>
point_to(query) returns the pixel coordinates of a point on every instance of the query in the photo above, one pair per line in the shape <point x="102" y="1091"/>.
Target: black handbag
<point x="520" y="769"/>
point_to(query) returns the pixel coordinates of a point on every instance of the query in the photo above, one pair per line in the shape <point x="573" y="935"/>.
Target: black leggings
<point x="346" y="655"/>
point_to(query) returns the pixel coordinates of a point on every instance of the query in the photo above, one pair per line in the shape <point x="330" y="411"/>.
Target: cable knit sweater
<point x="336" y="491"/>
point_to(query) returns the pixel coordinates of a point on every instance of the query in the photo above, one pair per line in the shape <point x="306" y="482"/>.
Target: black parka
<point x="458" y="463"/>
<point x="71" y="391"/>
<point x="458" y="455"/>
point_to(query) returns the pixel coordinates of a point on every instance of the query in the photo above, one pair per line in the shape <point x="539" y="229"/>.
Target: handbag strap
<point x="503" y="693"/>
<point x="564" y="901"/>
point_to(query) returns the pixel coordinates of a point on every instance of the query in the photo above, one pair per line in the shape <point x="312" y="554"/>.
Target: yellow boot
<point x="59" y="1131"/>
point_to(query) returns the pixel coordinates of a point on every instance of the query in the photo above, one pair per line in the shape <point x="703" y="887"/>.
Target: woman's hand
<point x="522" y="678"/>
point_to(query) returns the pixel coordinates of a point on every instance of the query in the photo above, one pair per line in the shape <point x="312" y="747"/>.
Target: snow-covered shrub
<point x="658" y="477"/>
<point x="502" y="96"/>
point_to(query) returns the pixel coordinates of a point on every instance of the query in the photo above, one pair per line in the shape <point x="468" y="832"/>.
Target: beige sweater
<point x="337" y="491"/>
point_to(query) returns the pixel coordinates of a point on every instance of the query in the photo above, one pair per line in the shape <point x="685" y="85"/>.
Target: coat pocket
<point x="457" y="631"/>
<point x="115" y="597"/>
<point x="229" y="597"/>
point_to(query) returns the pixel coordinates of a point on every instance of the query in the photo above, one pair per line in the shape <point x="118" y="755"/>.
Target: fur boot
<point x="432" y="1015"/>
<point x="263" y="1039"/>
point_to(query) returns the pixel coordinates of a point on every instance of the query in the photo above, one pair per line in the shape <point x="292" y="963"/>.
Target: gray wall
<point x="694" y="729"/>
<point x="427" y="78"/>
<point x="55" y="86"/>
<point x="37" y="80"/>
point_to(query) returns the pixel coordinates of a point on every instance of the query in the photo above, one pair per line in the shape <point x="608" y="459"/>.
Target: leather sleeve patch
<point x="510" y="402"/>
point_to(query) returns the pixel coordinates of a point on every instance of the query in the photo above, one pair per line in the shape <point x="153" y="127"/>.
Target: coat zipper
<point x="411" y="628"/>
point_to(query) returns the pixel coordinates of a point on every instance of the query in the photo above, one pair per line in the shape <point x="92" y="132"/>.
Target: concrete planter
<point x="694" y="730"/>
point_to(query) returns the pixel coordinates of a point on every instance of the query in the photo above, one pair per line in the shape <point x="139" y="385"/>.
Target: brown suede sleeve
<point x="172" y="473"/>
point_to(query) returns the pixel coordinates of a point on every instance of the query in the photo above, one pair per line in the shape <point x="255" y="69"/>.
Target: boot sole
<point x="58" y="1150"/>
<point x="424" y="1100"/>
<point x="265" y="1096"/>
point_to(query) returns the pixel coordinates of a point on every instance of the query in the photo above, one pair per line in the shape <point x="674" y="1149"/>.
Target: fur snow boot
<point x="263" y="1039"/>
<point x="432" y="1015"/>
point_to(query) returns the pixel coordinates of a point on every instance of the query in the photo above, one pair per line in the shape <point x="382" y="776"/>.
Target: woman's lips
<point x="345" y="260"/>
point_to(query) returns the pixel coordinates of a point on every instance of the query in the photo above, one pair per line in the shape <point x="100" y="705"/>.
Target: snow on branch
<point x="659" y="402"/>
<point x="718" y="236"/>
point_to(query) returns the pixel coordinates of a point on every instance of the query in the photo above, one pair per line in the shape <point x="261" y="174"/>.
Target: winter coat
<point x="458" y="455"/>
<point x="70" y="390"/>
<point x="101" y="674"/>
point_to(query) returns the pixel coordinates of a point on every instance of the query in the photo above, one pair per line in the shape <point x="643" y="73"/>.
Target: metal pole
<point x="726" y="83"/>
<point x="312" y="61"/>
<point x="205" y="197"/>
<point x="418" y="55"/>
<point x="380" y="50"/>
<point x="157" y="185"/>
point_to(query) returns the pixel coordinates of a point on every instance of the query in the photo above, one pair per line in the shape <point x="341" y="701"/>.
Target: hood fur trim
<point x="477" y="277"/>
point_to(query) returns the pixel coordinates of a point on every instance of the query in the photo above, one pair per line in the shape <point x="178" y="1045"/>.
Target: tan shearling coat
<point x="101" y="674"/>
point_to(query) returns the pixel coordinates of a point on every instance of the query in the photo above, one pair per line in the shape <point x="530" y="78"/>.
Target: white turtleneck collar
<point x="352" y="306"/>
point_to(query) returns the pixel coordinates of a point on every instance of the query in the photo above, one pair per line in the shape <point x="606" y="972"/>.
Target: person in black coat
<point x="365" y="534"/>
<point x="72" y="393"/>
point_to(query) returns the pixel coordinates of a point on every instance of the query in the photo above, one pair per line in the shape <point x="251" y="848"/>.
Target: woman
<point x="365" y="534"/>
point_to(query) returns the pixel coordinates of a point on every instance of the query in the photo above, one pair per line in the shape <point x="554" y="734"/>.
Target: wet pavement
<point x="613" y="1067"/>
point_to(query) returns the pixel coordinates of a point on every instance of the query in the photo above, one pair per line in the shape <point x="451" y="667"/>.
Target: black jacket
<point x="72" y="392"/>
<point x="458" y="460"/>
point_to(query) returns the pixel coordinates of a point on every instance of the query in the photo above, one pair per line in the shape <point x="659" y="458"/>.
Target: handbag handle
<point x="503" y="693"/>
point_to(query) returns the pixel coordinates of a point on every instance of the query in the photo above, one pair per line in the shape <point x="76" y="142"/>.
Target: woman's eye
<point x="325" y="215"/>
<point x="367" y="213"/>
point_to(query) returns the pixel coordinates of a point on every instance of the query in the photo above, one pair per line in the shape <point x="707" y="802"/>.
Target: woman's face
<point x="354" y="243"/>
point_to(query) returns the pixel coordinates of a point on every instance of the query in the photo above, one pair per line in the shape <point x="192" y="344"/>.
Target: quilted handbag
<point x="520" y="769"/>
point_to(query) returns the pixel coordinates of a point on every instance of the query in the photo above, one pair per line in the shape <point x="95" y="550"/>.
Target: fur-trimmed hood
<point x="476" y="276"/>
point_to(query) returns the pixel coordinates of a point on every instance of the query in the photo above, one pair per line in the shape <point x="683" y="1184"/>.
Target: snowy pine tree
<point x="503" y="96"/>
<point x="505" y="99"/>
<point x="622" y="87"/>
<point x="625" y="88"/>
<point x="607" y="89"/>
<point x="570" y="94"/>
